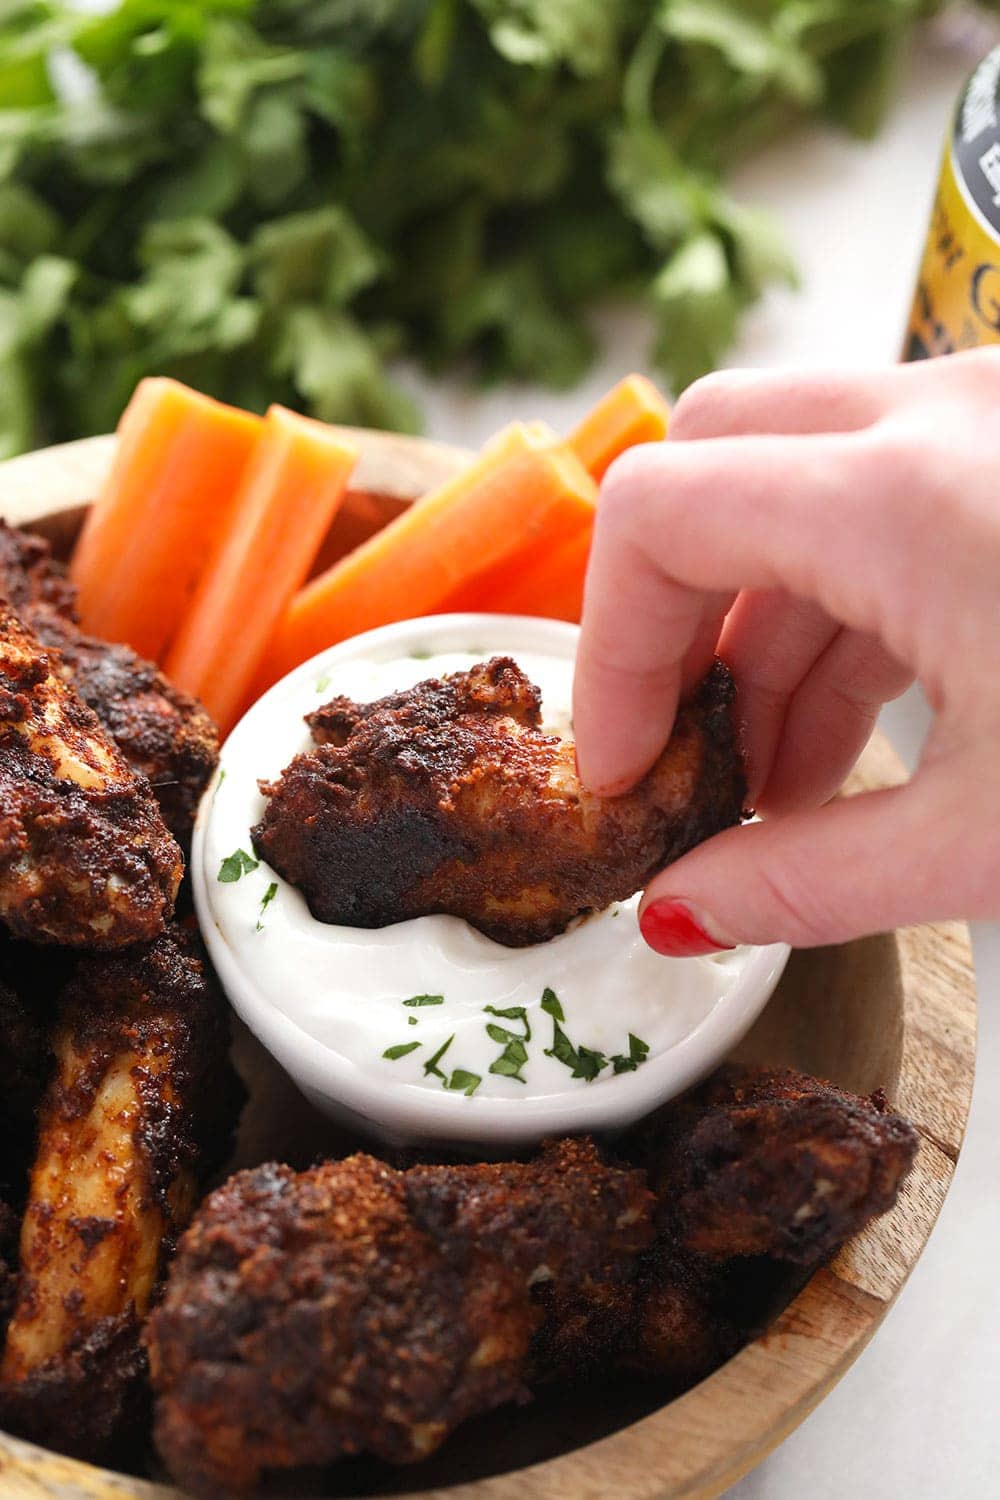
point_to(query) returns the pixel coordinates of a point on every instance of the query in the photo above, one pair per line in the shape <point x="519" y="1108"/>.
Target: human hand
<point x="833" y="536"/>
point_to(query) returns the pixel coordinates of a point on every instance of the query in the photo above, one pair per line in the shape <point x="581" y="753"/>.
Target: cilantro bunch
<point x="270" y="199"/>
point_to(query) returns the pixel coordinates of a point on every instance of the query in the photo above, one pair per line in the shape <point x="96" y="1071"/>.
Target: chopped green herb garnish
<point x="589" y="1063"/>
<point x="550" y="1004"/>
<point x="464" y="1081"/>
<point x="411" y="1020"/>
<point x="420" y="655"/>
<point x="424" y="1000"/>
<point x="400" y="1050"/>
<point x="222" y="777"/>
<point x="269" y="896"/>
<point x="638" y="1051"/>
<point x="515" y="1052"/>
<point x="512" y="1013"/>
<point x="236" y="865"/>
<point x="322" y="683"/>
<point x="431" y="1066"/>
<point x="562" y="1048"/>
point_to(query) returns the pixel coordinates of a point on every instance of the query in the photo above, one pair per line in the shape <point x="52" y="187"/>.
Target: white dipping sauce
<point x="346" y="988"/>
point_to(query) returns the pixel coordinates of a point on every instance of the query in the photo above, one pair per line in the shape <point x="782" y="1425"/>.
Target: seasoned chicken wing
<point x="773" y="1163"/>
<point x="353" y="1308"/>
<point x="450" y="798"/>
<point x="141" y="1105"/>
<point x="85" y="858"/>
<point x="754" y="1171"/>
<point x="161" y="731"/>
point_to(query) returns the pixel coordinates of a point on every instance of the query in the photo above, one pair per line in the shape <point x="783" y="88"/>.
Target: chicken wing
<point x="161" y="731"/>
<point x="353" y="1308"/>
<point x="759" y="1177"/>
<point x="141" y="1106"/>
<point x="85" y="858"/>
<point x="773" y="1163"/>
<point x="449" y="798"/>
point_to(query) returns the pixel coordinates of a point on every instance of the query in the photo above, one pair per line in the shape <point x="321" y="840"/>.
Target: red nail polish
<point x="669" y="928"/>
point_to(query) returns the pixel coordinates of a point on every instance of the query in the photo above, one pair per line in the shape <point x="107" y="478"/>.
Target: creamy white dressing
<point x="346" y="988"/>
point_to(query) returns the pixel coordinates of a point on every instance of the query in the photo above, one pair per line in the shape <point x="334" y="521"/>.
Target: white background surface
<point x="918" y="1416"/>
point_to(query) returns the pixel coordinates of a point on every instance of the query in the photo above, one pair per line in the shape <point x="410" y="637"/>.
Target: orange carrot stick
<point x="290" y="493"/>
<point x="632" y="412"/>
<point x="466" y="528"/>
<point x="550" y="583"/>
<point x="162" y="509"/>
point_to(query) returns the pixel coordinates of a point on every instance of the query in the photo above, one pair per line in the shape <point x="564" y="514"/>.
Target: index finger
<point x="679" y="525"/>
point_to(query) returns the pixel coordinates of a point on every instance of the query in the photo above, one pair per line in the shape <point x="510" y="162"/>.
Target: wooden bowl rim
<point x="698" y="1445"/>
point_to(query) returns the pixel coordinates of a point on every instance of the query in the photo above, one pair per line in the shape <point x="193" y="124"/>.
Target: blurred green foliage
<point x="270" y="198"/>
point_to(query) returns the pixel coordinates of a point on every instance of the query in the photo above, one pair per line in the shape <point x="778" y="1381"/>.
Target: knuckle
<point x="698" y="409"/>
<point x="795" y="914"/>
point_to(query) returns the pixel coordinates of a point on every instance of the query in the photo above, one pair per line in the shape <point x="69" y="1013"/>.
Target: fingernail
<point x="671" y="928"/>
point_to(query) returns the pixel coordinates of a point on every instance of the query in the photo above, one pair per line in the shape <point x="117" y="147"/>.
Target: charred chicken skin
<point x="353" y="1308"/>
<point x="449" y="798"/>
<point x="163" y="733"/>
<point x="85" y="858"/>
<point x="140" y="1106"/>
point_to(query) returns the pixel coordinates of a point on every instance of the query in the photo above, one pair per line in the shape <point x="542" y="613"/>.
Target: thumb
<point x="866" y="864"/>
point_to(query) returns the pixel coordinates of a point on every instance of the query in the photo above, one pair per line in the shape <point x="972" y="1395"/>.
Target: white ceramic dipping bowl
<point x="380" y="1103"/>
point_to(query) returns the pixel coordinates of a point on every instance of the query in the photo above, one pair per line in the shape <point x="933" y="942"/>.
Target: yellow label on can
<point x="957" y="302"/>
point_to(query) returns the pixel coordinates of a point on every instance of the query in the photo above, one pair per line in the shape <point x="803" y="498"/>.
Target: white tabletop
<point x="917" y="1416"/>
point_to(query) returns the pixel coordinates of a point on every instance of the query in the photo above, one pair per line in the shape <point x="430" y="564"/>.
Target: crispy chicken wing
<point x="353" y="1308"/>
<point x="141" y="1105"/>
<point x="753" y="1171"/>
<point x="773" y="1163"/>
<point x="85" y="858"/>
<point x="161" y="731"/>
<point x="449" y="798"/>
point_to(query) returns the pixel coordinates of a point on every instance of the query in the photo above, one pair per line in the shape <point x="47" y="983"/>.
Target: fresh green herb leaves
<point x="236" y="865"/>
<point x="401" y="1050"/>
<point x="464" y="1081"/>
<point x="431" y="1066"/>
<point x="587" y="1062"/>
<point x="421" y="1000"/>
<point x="411" y="1020"/>
<point x="322" y="683"/>
<point x="551" y="1005"/>
<point x="515" y="1046"/>
<point x="232" y="200"/>
<point x="638" y="1051"/>
<point x="266" y="900"/>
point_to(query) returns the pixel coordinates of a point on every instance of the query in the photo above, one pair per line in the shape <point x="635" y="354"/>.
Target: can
<point x="957" y="301"/>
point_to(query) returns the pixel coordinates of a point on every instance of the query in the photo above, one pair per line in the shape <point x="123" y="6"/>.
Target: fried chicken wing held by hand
<point x="449" y="798"/>
<point x="161" y="731"/>
<point x="353" y="1308"/>
<point x="141" y="1106"/>
<point x="85" y="858"/>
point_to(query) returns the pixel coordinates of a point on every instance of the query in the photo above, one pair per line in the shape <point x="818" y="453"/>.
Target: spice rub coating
<point x="353" y="1308"/>
<point x="85" y="858"/>
<point x="162" y="732"/>
<point x="448" y="797"/>
<point x="773" y="1163"/>
<point x="141" y="1106"/>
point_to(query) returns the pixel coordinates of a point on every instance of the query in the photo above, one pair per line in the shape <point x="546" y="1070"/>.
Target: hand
<point x="833" y="536"/>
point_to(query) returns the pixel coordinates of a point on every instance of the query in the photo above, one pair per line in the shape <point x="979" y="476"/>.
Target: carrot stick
<point x="632" y="412"/>
<point x="162" y="509"/>
<point x="466" y="528"/>
<point x="289" y="494"/>
<point x="550" y="583"/>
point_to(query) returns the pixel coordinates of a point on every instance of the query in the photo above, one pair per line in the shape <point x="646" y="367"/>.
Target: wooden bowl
<point x="896" y="1011"/>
